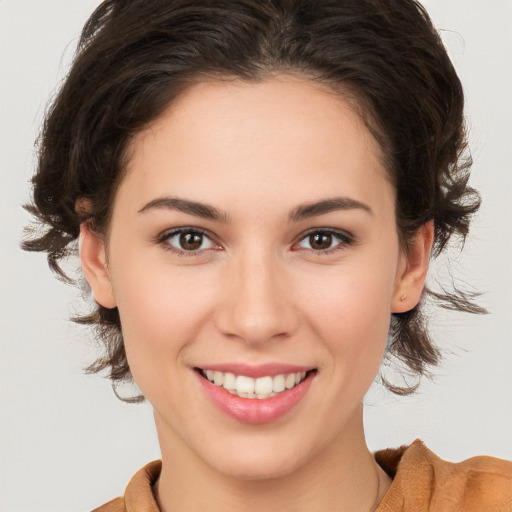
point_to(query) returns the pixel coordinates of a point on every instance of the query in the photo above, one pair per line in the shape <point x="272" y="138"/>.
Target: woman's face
<point x="254" y="235"/>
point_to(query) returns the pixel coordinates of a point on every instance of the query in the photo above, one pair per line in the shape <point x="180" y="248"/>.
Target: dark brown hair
<point x="135" y="56"/>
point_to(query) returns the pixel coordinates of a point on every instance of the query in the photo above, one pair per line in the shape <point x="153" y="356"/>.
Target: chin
<point x="259" y="468"/>
<point x="260" y="458"/>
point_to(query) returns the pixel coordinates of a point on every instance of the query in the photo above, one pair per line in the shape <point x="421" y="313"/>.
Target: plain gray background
<point x="67" y="444"/>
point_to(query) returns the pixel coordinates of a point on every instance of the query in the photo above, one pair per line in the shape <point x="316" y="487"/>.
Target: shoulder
<point x="424" y="481"/>
<point x="138" y="496"/>
<point x="116" y="505"/>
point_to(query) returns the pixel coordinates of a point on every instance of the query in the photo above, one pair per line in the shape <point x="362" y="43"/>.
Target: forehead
<point x="282" y="138"/>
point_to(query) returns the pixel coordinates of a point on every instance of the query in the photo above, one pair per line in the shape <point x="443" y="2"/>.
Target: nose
<point x="257" y="305"/>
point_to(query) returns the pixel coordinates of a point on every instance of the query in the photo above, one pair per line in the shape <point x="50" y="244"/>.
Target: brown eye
<point x="191" y="241"/>
<point x="187" y="240"/>
<point x="325" y="241"/>
<point x="320" y="241"/>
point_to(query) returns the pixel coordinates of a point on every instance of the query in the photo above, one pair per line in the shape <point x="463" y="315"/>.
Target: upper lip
<point x="259" y="370"/>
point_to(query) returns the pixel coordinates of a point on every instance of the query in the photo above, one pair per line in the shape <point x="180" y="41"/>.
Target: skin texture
<point x="257" y="291"/>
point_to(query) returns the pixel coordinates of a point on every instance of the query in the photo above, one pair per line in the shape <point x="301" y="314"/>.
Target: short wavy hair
<point x="136" y="56"/>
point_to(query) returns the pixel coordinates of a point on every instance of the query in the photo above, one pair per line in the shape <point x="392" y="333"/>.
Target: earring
<point x="403" y="297"/>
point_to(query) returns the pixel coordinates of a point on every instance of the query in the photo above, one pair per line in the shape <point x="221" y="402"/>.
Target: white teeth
<point x="263" y="386"/>
<point x="244" y="384"/>
<point x="260" y="388"/>
<point x="218" y="378"/>
<point x="278" y="384"/>
<point x="289" y="381"/>
<point x="229" y="381"/>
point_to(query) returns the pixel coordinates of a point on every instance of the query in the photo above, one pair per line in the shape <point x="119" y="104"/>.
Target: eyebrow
<point x="302" y="212"/>
<point x="184" y="205"/>
<point x="309" y="210"/>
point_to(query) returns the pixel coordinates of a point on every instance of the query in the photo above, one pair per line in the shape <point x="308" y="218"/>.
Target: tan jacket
<point x="422" y="482"/>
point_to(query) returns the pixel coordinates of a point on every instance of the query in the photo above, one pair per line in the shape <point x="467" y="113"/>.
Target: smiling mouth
<point x="254" y="388"/>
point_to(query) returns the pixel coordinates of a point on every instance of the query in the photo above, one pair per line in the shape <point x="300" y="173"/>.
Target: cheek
<point x="351" y="314"/>
<point x="161" y="313"/>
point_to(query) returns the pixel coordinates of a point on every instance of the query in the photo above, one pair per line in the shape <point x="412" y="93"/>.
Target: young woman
<point x="257" y="189"/>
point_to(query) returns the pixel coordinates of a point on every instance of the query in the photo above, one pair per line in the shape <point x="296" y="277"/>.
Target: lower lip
<point x="255" y="410"/>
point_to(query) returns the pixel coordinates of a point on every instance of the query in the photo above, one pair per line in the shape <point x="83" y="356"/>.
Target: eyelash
<point x="344" y="239"/>
<point x="163" y="240"/>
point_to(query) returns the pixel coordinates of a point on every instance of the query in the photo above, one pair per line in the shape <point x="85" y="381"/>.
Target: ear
<point x="412" y="270"/>
<point x="94" y="265"/>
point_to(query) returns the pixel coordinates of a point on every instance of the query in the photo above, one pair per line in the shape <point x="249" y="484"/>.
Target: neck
<point x="343" y="477"/>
